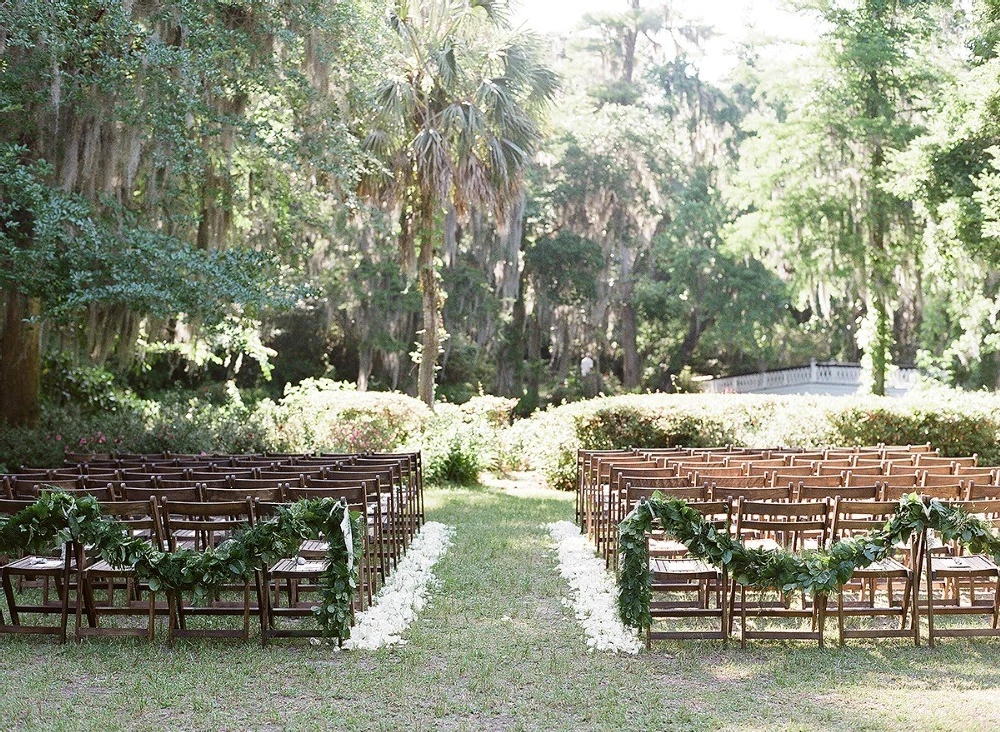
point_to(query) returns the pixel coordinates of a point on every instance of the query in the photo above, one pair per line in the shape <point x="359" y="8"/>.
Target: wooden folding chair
<point x="853" y="518"/>
<point x="140" y="519"/>
<point x="768" y="525"/>
<point x="304" y="572"/>
<point x="60" y="570"/>
<point x="953" y="569"/>
<point x="210" y="524"/>
<point x="696" y="580"/>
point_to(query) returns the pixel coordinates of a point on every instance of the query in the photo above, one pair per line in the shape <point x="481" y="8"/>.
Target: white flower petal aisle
<point x="594" y="591"/>
<point x="404" y="594"/>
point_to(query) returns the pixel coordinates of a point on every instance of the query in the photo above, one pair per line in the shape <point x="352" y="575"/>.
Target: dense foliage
<point x="58" y="518"/>
<point x="417" y="195"/>
<point x="817" y="572"/>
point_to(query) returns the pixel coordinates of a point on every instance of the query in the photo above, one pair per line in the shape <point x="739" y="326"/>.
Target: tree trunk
<point x="511" y="356"/>
<point x="20" y="362"/>
<point x="431" y="292"/>
<point x="630" y="350"/>
<point x="880" y="347"/>
<point x="682" y="356"/>
<point x="365" y="361"/>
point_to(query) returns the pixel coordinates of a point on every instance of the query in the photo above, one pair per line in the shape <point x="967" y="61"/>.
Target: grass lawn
<point x="467" y="667"/>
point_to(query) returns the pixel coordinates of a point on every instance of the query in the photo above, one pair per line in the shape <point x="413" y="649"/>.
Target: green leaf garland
<point x="820" y="572"/>
<point x="58" y="517"/>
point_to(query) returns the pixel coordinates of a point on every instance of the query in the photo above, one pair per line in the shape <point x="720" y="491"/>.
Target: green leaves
<point x="58" y="517"/>
<point x="814" y="572"/>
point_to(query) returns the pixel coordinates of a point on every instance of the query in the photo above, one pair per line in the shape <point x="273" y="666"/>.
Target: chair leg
<point x="930" y="600"/>
<point x="820" y="601"/>
<point x="151" y="629"/>
<point x="840" y="615"/>
<point x="743" y="616"/>
<point x="8" y="591"/>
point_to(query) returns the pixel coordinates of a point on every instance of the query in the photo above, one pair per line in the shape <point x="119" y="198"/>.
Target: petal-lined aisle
<point x="405" y="593"/>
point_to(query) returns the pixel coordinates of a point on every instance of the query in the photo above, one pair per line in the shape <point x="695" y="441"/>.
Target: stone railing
<point x="816" y="378"/>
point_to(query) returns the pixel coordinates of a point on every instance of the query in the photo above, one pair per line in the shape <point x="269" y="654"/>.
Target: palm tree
<point x="455" y="126"/>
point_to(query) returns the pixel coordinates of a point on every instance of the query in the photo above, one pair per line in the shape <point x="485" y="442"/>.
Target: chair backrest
<point x="702" y="475"/>
<point x="776" y="493"/>
<point x="975" y="491"/>
<point x="936" y="469"/>
<point x="976" y="469"/>
<point x="220" y="472"/>
<point x="29" y="486"/>
<point x="905" y="480"/>
<point x="254" y="483"/>
<point x="369" y="483"/>
<point x="821" y="481"/>
<point x="854" y="493"/>
<point x="791" y="472"/>
<point x="191" y="492"/>
<point x="785" y="522"/>
<point x="805" y="458"/>
<point x="635" y="493"/>
<point x="355" y="496"/>
<point x="11" y="506"/>
<point x="867" y="470"/>
<point x="830" y="467"/>
<point x="755" y="467"/>
<point x="852" y="517"/>
<point x="986" y="509"/>
<point x="140" y="518"/>
<point x="930" y="480"/>
<point x="384" y="476"/>
<point x="106" y="493"/>
<point x="622" y="473"/>
<point x="601" y="467"/>
<point x="925" y="460"/>
<point x="717" y="513"/>
<point x="209" y="523"/>
<point x="943" y="492"/>
<point x="273" y="494"/>
<point x="736" y="481"/>
<point x="219" y="482"/>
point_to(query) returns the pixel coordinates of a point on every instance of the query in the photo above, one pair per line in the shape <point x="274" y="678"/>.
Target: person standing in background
<point x="588" y="375"/>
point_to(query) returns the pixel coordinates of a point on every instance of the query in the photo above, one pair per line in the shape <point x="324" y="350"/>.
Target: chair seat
<point x="289" y="568"/>
<point x="39" y="565"/>
<point x="768" y="545"/>
<point x="966" y="566"/>
<point x="888" y="567"/>
<point x="666" y="547"/>
<point x="692" y="568"/>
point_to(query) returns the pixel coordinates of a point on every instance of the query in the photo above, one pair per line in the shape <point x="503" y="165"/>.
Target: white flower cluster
<point x="404" y="594"/>
<point x="594" y="591"/>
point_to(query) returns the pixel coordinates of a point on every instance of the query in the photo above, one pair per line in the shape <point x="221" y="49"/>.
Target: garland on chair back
<point x="819" y="572"/>
<point x="58" y="517"/>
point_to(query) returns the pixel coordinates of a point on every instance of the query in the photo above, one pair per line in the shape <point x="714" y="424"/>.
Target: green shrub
<point x="460" y="442"/>
<point x="320" y="415"/>
<point x="957" y="423"/>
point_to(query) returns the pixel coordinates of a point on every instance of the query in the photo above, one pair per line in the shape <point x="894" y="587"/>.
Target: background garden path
<point x="497" y="650"/>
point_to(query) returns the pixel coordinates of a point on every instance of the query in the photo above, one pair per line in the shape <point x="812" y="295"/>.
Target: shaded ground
<point x="466" y="667"/>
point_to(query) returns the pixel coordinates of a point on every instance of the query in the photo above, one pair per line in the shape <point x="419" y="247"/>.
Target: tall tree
<point x="160" y="132"/>
<point x="454" y="126"/>
<point x="818" y="167"/>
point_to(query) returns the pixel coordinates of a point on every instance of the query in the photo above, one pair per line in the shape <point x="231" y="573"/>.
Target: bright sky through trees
<point x="732" y="19"/>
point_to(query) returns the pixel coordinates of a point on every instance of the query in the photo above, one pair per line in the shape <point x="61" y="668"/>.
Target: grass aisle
<point x="496" y="650"/>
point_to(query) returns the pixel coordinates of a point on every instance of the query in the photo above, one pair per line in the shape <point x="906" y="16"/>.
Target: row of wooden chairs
<point x="954" y="583"/>
<point x="203" y="514"/>
<point x="601" y="476"/>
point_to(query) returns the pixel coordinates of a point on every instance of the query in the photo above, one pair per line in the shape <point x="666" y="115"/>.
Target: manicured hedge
<point x="957" y="423"/>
